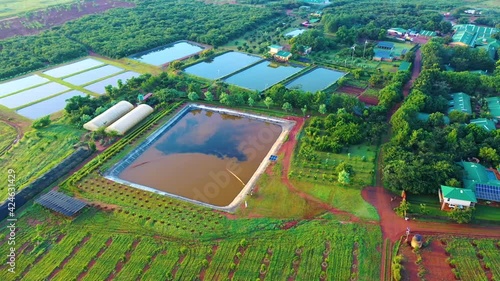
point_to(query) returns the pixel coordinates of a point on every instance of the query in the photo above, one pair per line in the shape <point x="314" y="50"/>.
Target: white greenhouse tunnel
<point x="109" y="116"/>
<point x="129" y="120"/>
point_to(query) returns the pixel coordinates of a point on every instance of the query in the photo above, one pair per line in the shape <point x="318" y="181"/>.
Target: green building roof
<point x="314" y="20"/>
<point x="494" y="106"/>
<point x="464" y="37"/>
<point x="487" y="124"/>
<point x="398" y="29"/>
<point x="275" y="47"/>
<point x="458" y="193"/>
<point x="283" y="54"/>
<point x="477" y="174"/>
<point x="427" y="33"/>
<point x="461" y="102"/>
<point x="404" y="66"/>
<point x="425" y="116"/>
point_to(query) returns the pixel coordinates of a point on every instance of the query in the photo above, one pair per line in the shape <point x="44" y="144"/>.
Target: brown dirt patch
<point x="49" y="18"/>
<point x="434" y="261"/>
<point x="410" y="268"/>
<point x="351" y="90"/>
<point x="289" y="224"/>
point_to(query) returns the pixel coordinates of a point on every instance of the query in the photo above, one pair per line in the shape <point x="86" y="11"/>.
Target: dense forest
<point x="422" y="154"/>
<point x="122" y="32"/>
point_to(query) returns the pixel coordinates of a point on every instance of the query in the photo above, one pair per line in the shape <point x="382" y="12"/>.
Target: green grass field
<point x="38" y="151"/>
<point x="9" y="8"/>
<point x="8" y="135"/>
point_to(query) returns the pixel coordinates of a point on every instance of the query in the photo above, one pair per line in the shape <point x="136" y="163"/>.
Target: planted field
<point x="49" y="106"/>
<point x="463" y="256"/>
<point x="490" y="252"/>
<point x="99" y="87"/>
<point x="249" y="266"/>
<point x="72" y="68"/>
<point x="92" y="75"/>
<point x="8" y="134"/>
<point x="11" y="8"/>
<point x="223" y="261"/>
<point x="163" y="264"/>
<point x="32" y="95"/>
<point x="193" y="262"/>
<point x="17" y="85"/>
<point x="37" y="152"/>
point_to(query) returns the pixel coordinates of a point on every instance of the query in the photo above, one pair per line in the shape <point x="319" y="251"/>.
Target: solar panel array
<point x="273" y="158"/>
<point x="61" y="203"/>
<point x="488" y="192"/>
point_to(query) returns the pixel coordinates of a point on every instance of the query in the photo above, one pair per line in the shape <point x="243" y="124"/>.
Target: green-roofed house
<point x="455" y="197"/>
<point x="314" y="21"/>
<point x="274" y="49"/>
<point x="425" y="116"/>
<point x="283" y="56"/>
<point x="484" y="123"/>
<point x="427" y="33"/>
<point x="397" y="31"/>
<point x="463" y="38"/>
<point x="404" y="66"/>
<point x="470" y="35"/>
<point x="461" y="102"/>
<point x="494" y="107"/>
<point x="489" y="44"/>
<point x="483" y="182"/>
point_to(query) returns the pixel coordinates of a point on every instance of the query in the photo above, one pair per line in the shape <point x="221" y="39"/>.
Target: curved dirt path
<point x="19" y="135"/>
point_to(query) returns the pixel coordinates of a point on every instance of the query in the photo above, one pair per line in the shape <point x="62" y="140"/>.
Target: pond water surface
<point x="49" y="106"/>
<point x="222" y="65"/>
<point x="71" y="68"/>
<point x="206" y="156"/>
<point x="33" y="94"/>
<point x="21" y="84"/>
<point x="262" y="75"/>
<point x="167" y="53"/>
<point x="92" y="75"/>
<point x="315" y="80"/>
<point x="99" y="87"/>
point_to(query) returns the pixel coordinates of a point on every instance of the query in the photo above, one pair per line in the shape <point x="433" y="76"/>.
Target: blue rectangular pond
<point x="92" y="75"/>
<point x="98" y="87"/>
<point x="315" y="80"/>
<point x="71" y="68"/>
<point x="49" y="106"/>
<point x="222" y="65"/>
<point x="21" y="84"/>
<point x="33" y="95"/>
<point x="162" y="55"/>
<point x="262" y="75"/>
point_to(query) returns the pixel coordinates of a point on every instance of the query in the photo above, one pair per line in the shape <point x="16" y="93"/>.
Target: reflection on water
<point x="205" y="156"/>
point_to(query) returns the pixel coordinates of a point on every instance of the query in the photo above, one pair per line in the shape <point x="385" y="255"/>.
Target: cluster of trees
<point x="422" y="154"/>
<point x="122" y="32"/>
<point x="313" y="38"/>
<point x="436" y="55"/>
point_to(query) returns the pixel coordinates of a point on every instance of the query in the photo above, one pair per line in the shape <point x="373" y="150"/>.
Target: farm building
<point x="455" y="197"/>
<point x="461" y="102"/>
<point x="483" y="182"/>
<point x="274" y="49"/>
<point x="470" y="35"/>
<point x="397" y="31"/>
<point x="61" y="203"/>
<point x="427" y="33"/>
<point x="384" y="45"/>
<point x="484" y="123"/>
<point x="404" y="66"/>
<point x="129" y="120"/>
<point x="283" y="56"/>
<point x="382" y="55"/>
<point x="425" y="116"/>
<point x="494" y="106"/>
<point x="109" y="116"/>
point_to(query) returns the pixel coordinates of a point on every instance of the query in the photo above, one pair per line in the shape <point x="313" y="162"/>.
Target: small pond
<point x="92" y="75"/>
<point x="262" y="75"/>
<point x="315" y="80"/>
<point x="162" y="55"/>
<point x="32" y="95"/>
<point x="71" y="68"/>
<point x="13" y="86"/>
<point x="49" y="106"/>
<point x="222" y="65"/>
<point x="98" y="87"/>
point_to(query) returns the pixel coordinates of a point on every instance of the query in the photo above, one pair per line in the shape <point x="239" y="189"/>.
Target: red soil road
<point x="50" y="17"/>
<point x="434" y="261"/>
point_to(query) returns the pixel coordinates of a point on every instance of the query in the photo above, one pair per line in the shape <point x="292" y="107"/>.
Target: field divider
<point x="69" y="85"/>
<point x="298" y="74"/>
<point x="240" y="70"/>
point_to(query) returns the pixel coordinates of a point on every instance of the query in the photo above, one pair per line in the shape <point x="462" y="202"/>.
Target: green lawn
<point x="8" y="135"/>
<point x="38" y="151"/>
<point x="9" y="8"/>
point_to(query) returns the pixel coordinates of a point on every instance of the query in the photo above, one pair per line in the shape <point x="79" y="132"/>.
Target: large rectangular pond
<point x="17" y="85"/>
<point x="315" y="80"/>
<point x="262" y="75"/>
<point x="92" y="75"/>
<point x="202" y="155"/>
<point x="32" y="95"/>
<point x="49" y="106"/>
<point x="72" y="68"/>
<point x="162" y="55"/>
<point x="98" y="87"/>
<point x="222" y="65"/>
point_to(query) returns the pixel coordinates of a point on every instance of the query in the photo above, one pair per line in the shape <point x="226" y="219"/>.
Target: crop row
<point x="139" y="258"/>
<point x="222" y="261"/>
<point x="55" y="256"/>
<point x="113" y="254"/>
<point x="281" y="260"/>
<point x="82" y="258"/>
<point x="118" y="146"/>
<point x="464" y="257"/>
<point x="491" y="256"/>
<point x="162" y="266"/>
<point x="340" y="257"/>
<point x="194" y="261"/>
<point x="311" y="259"/>
<point x="248" y="268"/>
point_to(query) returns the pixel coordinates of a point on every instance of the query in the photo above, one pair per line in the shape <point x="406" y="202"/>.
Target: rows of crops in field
<point x="311" y="259"/>
<point x="193" y="263"/>
<point x="249" y="266"/>
<point x="139" y="258"/>
<point x="281" y="260"/>
<point x="78" y="263"/>
<point x="464" y="257"/>
<point x="55" y="256"/>
<point x="164" y="263"/>
<point x="491" y="256"/>
<point x="107" y="262"/>
<point x="222" y="261"/>
<point x="340" y="256"/>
